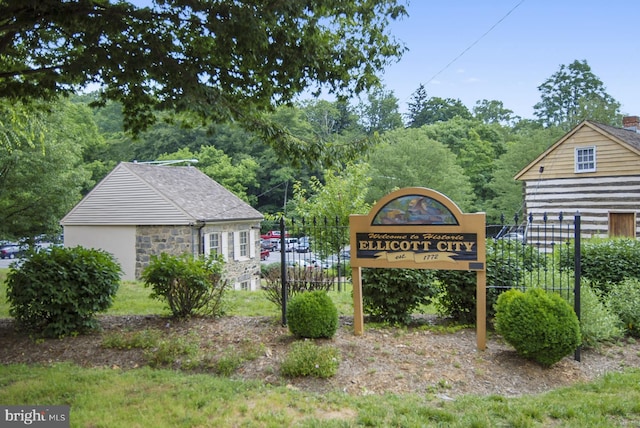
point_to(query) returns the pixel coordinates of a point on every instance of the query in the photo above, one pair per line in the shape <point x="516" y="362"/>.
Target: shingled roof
<point x="144" y="194"/>
<point x="628" y="136"/>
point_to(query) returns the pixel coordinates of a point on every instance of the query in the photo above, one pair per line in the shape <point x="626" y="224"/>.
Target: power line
<point x="474" y="43"/>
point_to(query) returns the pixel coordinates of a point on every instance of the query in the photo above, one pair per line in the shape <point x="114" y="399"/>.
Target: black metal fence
<point x="537" y="252"/>
<point x="542" y="252"/>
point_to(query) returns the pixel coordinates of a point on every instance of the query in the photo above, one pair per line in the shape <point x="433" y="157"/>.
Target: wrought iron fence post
<point x="283" y="271"/>
<point x="577" y="273"/>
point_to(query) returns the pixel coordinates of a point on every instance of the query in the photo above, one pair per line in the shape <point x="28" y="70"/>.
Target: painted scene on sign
<point x="414" y="209"/>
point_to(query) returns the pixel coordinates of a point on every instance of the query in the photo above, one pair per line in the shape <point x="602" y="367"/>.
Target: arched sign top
<point x="415" y="206"/>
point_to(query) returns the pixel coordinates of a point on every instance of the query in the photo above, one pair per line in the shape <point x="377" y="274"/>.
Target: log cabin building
<point x="593" y="170"/>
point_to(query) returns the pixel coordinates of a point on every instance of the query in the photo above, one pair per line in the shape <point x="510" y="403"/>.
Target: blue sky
<point x="529" y="41"/>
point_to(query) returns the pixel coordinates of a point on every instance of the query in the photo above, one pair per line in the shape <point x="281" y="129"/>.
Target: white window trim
<point x="207" y="243"/>
<point x="580" y="171"/>
<point x="252" y="243"/>
<point x="224" y="242"/>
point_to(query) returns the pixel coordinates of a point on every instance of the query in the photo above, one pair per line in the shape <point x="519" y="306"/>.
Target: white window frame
<point x="209" y="247"/>
<point x="582" y="165"/>
<point x="244" y="243"/>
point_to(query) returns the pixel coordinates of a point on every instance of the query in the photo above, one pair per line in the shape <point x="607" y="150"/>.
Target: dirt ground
<point x="382" y="360"/>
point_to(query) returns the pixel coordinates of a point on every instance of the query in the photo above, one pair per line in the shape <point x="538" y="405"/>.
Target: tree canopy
<point x="222" y="60"/>
<point x="571" y="95"/>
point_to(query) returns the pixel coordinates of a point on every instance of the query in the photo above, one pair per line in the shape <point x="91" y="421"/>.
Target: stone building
<point x="139" y="210"/>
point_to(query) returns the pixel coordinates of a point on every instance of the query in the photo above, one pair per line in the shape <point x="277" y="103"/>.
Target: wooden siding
<point x="612" y="158"/>
<point x="123" y="198"/>
<point x="594" y="198"/>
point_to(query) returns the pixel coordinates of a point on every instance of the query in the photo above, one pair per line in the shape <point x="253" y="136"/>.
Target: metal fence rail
<point x="542" y="252"/>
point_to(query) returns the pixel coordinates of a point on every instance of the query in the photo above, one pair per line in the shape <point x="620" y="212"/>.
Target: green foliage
<point x="313" y="315"/>
<point x="598" y="322"/>
<point x="507" y="262"/>
<point x="523" y="146"/>
<point x="392" y="295"/>
<point x="407" y="157"/>
<point x="143" y="339"/>
<point x="340" y="194"/>
<point x="153" y="59"/>
<point x="299" y="280"/>
<point x="42" y="175"/>
<point x="189" y="285"/>
<point x="624" y="300"/>
<point x="380" y="113"/>
<point x="305" y="358"/>
<point x="169" y="351"/>
<point x="607" y="261"/>
<point x="540" y="325"/>
<point x="457" y="295"/>
<point x="58" y="292"/>
<point x="567" y="94"/>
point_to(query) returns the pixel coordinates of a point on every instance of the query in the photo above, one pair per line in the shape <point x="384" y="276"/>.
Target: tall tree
<point x="567" y="95"/>
<point x="380" y="112"/>
<point x="416" y="106"/>
<point x="493" y="112"/>
<point x="40" y="183"/>
<point x="341" y="193"/>
<point x="437" y="109"/>
<point x="409" y="158"/>
<point x="525" y="144"/>
<point x="222" y="60"/>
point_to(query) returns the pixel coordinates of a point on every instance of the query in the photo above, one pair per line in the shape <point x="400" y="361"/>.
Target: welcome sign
<point x="417" y="228"/>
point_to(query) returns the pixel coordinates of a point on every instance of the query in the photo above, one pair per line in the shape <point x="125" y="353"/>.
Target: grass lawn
<point x="167" y="398"/>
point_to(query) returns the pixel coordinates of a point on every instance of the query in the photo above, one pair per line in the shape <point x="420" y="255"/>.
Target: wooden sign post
<point x="419" y="228"/>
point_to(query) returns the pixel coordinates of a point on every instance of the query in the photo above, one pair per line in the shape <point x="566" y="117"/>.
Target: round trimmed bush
<point x="58" y="292"/>
<point x="541" y="326"/>
<point x="312" y="315"/>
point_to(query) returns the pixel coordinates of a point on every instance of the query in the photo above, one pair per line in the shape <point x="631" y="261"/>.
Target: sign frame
<point x="419" y="228"/>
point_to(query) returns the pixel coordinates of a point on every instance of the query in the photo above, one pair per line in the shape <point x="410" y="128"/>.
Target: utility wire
<point x="475" y="42"/>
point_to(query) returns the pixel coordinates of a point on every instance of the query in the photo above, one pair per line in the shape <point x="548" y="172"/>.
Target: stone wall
<point x="154" y="240"/>
<point x="240" y="271"/>
<point x="176" y="240"/>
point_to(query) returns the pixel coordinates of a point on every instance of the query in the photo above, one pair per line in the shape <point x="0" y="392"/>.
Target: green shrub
<point x="392" y="295"/>
<point x="624" y="300"/>
<point x="299" y="280"/>
<point x="313" y="315"/>
<point x="189" y="285"/>
<point x="58" y="292"/>
<point x="598" y="322"/>
<point x="607" y="261"/>
<point x="541" y="326"/>
<point x="506" y="264"/>
<point x="308" y="359"/>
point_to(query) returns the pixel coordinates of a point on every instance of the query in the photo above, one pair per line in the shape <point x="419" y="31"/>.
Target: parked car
<point x="303" y="245"/>
<point x="264" y="254"/>
<point x="290" y="244"/>
<point x="12" y="251"/>
<point x="273" y="234"/>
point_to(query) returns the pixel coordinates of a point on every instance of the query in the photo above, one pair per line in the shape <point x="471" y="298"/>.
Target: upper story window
<point x="585" y="159"/>
<point x="244" y="244"/>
